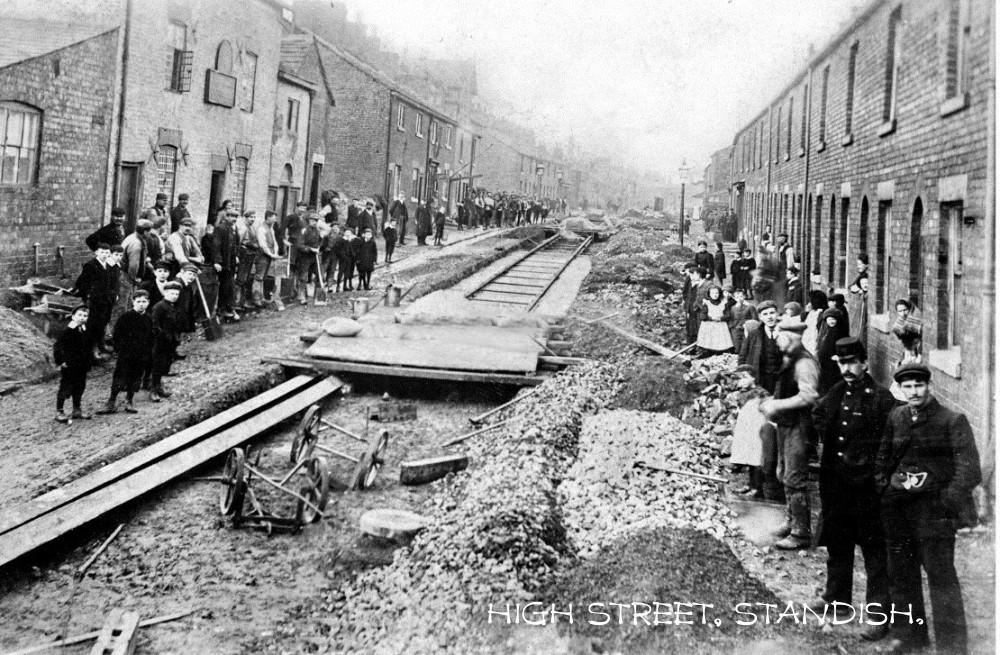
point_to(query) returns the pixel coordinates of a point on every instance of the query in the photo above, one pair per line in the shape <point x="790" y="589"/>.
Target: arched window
<point x="863" y="228"/>
<point x="817" y="233"/>
<point x="19" y="131"/>
<point x="224" y="58"/>
<point x="845" y="212"/>
<point x="883" y="257"/>
<point x="166" y="171"/>
<point x="832" y="245"/>
<point x="916" y="287"/>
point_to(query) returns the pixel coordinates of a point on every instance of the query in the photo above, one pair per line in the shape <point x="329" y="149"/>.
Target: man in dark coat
<point x="424" y="222"/>
<point x="133" y="339"/>
<point x="793" y="285"/>
<point x="112" y="234"/>
<point x="72" y="355"/>
<point x="225" y="259"/>
<point x="928" y="466"/>
<point x="849" y="421"/>
<point x="178" y="213"/>
<point x="166" y="336"/>
<point x="98" y="287"/>
<point x="401" y="214"/>
<point x="790" y="409"/>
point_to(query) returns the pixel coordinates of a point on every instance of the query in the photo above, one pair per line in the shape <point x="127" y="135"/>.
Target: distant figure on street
<point x="401" y="215"/>
<point x="389" y="234"/>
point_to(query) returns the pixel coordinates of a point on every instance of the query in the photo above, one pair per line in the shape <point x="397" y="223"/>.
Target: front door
<point x="215" y="195"/>
<point x="127" y="194"/>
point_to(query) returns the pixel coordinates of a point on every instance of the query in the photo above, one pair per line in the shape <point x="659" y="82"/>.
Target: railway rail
<point x="523" y="282"/>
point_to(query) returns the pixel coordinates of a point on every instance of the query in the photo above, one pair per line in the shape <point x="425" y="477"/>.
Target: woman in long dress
<point x="713" y="333"/>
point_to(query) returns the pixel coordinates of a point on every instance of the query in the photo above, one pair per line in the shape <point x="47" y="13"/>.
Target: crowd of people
<point x="896" y="468"/>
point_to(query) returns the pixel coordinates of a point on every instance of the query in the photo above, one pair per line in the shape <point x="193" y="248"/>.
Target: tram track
<point x="523" y="282"/>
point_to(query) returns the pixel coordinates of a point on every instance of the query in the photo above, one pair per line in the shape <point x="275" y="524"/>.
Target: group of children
<point x="331" y="257"/>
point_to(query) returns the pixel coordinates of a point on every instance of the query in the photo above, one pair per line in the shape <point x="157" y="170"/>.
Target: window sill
<point x="847" y="140"/>
<point x="802" y="152"/>
<point x="788" y="156"/>
<point x="821" y="147"/>
<point x="948" y="361"/>
<point x="400" y="129"/>
<point x="953" y="105"/>
<point x="888" y="127"/>
<point x="881" y="322"/>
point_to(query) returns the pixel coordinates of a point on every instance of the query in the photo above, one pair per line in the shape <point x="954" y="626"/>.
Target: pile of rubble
<point x="495" y="531"/>
<point x="722" y="391"/>
<point x="607" y="496"/>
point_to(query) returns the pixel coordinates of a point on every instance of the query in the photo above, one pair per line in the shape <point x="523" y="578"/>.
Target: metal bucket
<point x="359" y="306"/>
<point x="393" y="295"/>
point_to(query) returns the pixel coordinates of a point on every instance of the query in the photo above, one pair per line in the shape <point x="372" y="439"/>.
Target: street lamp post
<point x="683" y="170"/>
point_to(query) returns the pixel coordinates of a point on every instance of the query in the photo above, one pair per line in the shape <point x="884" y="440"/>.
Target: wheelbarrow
<point x="366" y="467"/>
<point x="312" y="497"/>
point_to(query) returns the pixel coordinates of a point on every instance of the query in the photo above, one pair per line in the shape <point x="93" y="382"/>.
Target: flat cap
<point x="161" y="196"/>
<point x="184" y="196"/>
<point x="832" y="312"/>
<point x="190" y="267"/>
<point x="187" y="221"/>
<point x="172" y="286"/>
<point x="144" y="224"/>
<point x="767" y="304"/>
<point x="912" y="371"/>
<point x="793" y="307"/>
<point x="161" y="265"/>
<point x="849" y="349"/>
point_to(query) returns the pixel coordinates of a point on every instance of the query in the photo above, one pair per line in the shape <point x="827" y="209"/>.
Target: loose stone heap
<point x="723" y="391"/>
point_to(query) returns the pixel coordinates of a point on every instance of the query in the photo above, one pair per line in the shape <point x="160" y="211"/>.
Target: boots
<point x="801" y="532"/>
<point x="110" y="407"/>
<point x="785" y="528"/>
<point x="129" y="407"/>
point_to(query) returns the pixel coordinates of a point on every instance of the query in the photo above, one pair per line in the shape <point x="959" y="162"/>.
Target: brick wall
<point x="209" y="133"/>
<point x="934" y="153"/>
<point x="67" y="202"/>
<point x="355" y="135"/>
<point x="288" y="145"/>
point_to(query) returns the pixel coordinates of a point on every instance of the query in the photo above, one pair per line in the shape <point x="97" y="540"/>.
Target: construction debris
<point x="422" y="471"/>
<point x="723" y="391"/>
<point x="395" y="524"/>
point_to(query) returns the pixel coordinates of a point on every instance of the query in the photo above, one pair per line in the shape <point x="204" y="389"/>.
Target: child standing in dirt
<point x="345" y="259"/>
<point x="389" y="234"/>
<point x="133" y="341"/>
<point x="166" y="334"/>
<point x="438" y="227"/>
<point x="73" y="355"/>
<point x="740" y="312"/>
<point x="367" y="256"/>
<point x="713" y="332"/>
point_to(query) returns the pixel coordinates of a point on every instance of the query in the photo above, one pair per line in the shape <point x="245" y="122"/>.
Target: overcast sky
<point x="655" y="81"/>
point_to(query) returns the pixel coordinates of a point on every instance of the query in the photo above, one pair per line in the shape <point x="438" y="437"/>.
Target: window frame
<point x="180" y="61"/>
<point x="160" y="179"/>
<point x="418" y="125"/>
<point x="849" y="100"/>
<point x="293" y="106"/>
<point x="892" y="61"/>
<point x="249" y="73"/>
<point x="240" y="173"/>
<point x="955" y="85"/>
<point x="28" y="116"/>
<point x="401" y="117"/>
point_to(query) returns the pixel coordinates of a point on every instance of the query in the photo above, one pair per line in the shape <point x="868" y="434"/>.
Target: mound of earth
<point x="25" y="353"/>
<point x="655" y="385"/>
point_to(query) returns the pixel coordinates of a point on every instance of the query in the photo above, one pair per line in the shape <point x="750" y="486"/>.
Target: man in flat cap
<point x="182" y="247"/>
<point x="791" y="410"/>
<point x="850" y="420"/>
<point x="157" y="211"/>
<point x="180" y="212"/>
<point x="112" y="234"/>
<point x="928" y="466"/>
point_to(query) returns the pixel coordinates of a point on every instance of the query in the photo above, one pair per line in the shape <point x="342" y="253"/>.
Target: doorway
<point x="128" y="192"/>
<point x="215" y="195"/>
<point x="314" y="195"/>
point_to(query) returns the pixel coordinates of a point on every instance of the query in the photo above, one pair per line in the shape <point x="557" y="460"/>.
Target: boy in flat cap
<point x="166" y="336"/>
<point x="928" y="466"/>
<point x="133" y="339"/>
<point x="791" y="410"/>
<point x="72" y="354"/>
<point x="849" y="421"/>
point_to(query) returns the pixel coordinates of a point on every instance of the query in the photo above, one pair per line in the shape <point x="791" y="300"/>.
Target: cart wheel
<point x="308" y="432"/>
<point x="371" y="462"/>
<point x="318" y="474"/>
<point x="234" y="480"/>
<point x="303" y="445"/>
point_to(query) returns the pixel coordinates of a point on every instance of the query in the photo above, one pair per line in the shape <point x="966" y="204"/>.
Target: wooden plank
<point x="54" y="524"/>
<point x="491" y="296"/>
<point x="428" y="354"/>
<point x="331" y="366"/>
<point x="118" y="635"/>
<point x="422" y="471"/>
<point x="502" y="338"/>
<point x="14" y="516"/>
<point x="79" y="639"/>
<point x="645" y="343"/>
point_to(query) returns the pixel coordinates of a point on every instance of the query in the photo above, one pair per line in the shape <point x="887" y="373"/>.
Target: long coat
<point x="423" y="221"/>
<point x="367" y="255"/>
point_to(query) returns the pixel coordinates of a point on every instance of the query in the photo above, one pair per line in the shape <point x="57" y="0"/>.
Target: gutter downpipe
<point x="116" y="165"/>
<point x="806" y="229"/>
<point x="989" y="274"/>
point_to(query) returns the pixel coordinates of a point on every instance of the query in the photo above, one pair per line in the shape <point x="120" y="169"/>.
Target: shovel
<point x="213" y="327"/>
<point x="322" y="284"/>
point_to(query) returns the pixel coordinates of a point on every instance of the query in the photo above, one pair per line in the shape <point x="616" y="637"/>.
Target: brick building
<point x="717" y="178"/>
<point x="883" y="144"/>
<point x="57" y="85"/>
<point x="199" y="103"/>
<point x="292" y="163"/>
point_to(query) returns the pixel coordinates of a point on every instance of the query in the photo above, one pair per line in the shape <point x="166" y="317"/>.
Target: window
<point x="415" y="185"/>
<point x="956" y="56"/>
<point x="418" y="127"/>
<point x="845" y="210"/>
<point x="421" y="188"/>
<point x="179" y="58"/>
<point x="461" y="150"/>
<point x="883" y="255"/>
<point x="863" y="228"/>
<point x="19" y="128"/>
<point x="401" y="118"/>
<point x="949" y="275"/>
<point x="802" y="127"/>
<point x="916" y="280"/>
<point x="822" y="107"/>
<point x="831" y="260"/>
<point x="852" y="61"/>
<point x="292" y="119"/>
<point x="397" y="179"/>
<point x="239" y="182"/>
<point x="788" y="140"/>
<point x="224" y="58"/>
<point x="761" y="149"/>
<point x="447" y="137"/>
<point x="777" y="138"/>
<point x="248" y="81"/>
<point x="891" y="72"/>
<point x="817" y="235"/>
<point x="434" y="132"/>
<point x="166" y="171"/>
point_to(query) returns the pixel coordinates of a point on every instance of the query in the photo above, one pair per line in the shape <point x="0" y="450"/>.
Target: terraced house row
<point x="883" y="145"/>
<point x="111" y="102"/>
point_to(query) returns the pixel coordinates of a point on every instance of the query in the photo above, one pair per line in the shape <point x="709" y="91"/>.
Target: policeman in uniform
<point x="849" y="420"/>
<point x="928" y="465"/>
